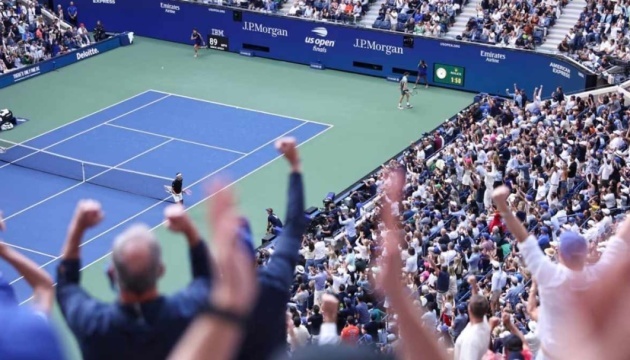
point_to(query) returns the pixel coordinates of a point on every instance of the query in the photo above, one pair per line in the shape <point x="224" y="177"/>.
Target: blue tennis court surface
<point x="123" y="156"/>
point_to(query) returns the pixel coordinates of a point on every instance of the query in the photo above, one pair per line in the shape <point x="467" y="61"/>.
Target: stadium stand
<point x="435" y="228"/>
<point x="565" y="161"/>
<point x="417" y="17"/>
<point x="599" y="40"/>
<point x="519" y="24"/>
<point x="31" y="34"/>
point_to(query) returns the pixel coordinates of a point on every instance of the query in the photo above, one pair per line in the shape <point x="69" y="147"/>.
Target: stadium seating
<point x="34" y="37"/>
<point x="464" y="219"/>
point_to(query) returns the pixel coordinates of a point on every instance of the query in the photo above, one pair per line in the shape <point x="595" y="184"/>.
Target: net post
<point x="83" y="171"/>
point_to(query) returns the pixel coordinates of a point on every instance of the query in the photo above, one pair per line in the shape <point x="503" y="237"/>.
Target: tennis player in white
<point x="176" y="189"/>
<point x="404" y="92"/>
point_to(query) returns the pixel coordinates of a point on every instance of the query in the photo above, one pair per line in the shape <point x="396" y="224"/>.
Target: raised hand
<point x="176" y="218"/>
<point x="88" y="214"/>
<point x="288" y="147"/>
<point x="500" y="196"/>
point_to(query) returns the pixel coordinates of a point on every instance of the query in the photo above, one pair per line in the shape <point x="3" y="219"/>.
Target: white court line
<point x="176" y="139"/>
<point x="241" y="108"/>
<point x="193" y="205"/>
<point x="85" y="117"/>
<point x="82" y="132"/>
<point x="31" y="250"/>
<point x="86" y="181"/>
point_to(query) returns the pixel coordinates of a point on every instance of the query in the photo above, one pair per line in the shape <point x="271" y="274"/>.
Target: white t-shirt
<point x="411" y="264"/>
<point x="320" y="250"/>
<point x="557" y="285"/>
<point x="473" y="342"/>
<point x="301" y="337"/>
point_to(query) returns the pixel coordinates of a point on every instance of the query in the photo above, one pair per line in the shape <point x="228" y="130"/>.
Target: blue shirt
<point x="320" y="281"/>
<point x="27" y="335"/>
<point x="364" y="315"/>
<point x="148" y="330"/>
<point x="72" y="10"/>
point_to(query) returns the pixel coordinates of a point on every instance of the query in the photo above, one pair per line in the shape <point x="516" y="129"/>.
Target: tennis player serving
<point x="404" y="92"/>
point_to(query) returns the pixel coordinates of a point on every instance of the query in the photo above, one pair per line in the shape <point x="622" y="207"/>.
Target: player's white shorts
<point x="178" y="197"/>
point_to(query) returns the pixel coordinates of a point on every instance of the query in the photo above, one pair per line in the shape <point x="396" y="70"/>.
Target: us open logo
<point x="320" y="43"/>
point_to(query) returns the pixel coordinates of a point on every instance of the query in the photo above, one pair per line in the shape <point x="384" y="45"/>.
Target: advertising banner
<point x="453" y="64"/>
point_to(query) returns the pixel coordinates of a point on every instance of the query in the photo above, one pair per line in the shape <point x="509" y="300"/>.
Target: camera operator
<point x="99" y="32"/>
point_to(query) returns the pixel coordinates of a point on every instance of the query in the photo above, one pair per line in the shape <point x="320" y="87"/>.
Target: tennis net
<point x="129" y="181"/>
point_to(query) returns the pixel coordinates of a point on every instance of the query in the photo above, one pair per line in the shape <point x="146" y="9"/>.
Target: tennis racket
<point x="169" y="190"/>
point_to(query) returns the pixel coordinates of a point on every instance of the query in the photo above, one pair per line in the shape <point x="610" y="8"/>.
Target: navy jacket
<point x="266" y="329"/>
<point x="148" y="330"/>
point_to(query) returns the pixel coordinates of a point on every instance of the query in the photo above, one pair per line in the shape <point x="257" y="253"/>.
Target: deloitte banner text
<point x="61" y="61"/>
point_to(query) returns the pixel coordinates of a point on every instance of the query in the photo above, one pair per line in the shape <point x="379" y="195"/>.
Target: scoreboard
<point x="448" y="74"/>
<point x="218" y="41"/>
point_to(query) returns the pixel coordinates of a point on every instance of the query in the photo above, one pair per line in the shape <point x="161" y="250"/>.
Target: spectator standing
<point x="219" y="329"/>
<point x="73" y="14"/>
<point x="559" y="283"/>
<point x="473" y="341"/>
<point x="266" y="330"/>
<point x="142" y="323"/>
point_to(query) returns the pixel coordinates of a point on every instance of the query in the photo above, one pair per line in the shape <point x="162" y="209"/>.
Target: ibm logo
<point x="217" y="32"/>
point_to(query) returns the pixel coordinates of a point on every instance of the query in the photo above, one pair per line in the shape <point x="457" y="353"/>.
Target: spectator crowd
<point x="430" y="18"/>
<point x="491" y="238"/>
<point x="29" y="37"/>
<point x="600" y="38"/>
<point x="515" y="24"/>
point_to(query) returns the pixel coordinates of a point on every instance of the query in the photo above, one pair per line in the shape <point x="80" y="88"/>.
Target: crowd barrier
<point x="29" y="72"/>
<point x="452" y="64"/>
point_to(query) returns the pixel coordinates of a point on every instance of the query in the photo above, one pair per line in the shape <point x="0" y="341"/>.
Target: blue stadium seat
<point x="538" y="36"/>
<point x="400" y="26"/>
<point x="377" y="24"/>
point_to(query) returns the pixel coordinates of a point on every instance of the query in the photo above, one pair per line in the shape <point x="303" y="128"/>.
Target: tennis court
<point x="123" y="156"/>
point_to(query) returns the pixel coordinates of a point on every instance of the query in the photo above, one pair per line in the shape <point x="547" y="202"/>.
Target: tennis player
<point x="197" y="41"/>
<point x="422" y="74"/>
<point x="177" y="187"/>
<point x="404" y="92"/>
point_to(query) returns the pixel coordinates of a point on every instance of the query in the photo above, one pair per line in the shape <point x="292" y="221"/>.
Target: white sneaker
<point x="409" y="106"/>
<point x="400" y="107"/>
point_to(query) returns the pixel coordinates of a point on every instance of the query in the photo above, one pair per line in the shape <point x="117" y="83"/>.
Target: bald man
<point x="142" y="323"/>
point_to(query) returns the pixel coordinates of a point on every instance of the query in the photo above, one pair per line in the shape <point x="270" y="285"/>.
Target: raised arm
<point x="217" y="332"/>
<point x="87" y="214"/>
<point x="178" y="221"/>
<point x="540" y="265"/>
<point x="38" y="279"/>
<point x="76" y="305"/>
<point x="517" y="229"/>
<point x="417" y="338"/>
<point x="280" y="268"/>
